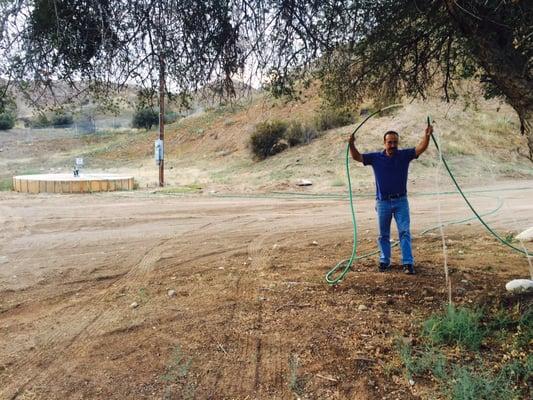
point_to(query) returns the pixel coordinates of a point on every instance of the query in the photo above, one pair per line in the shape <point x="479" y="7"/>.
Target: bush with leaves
<point x="39" y="121"/>
<point x="298" y="133"/>
<point x="330" y="118"/>
<point x="8" y="109"/>
<point x="170" y="117"/>
<point x="145" y="118"/>
<point x="7" y="121"/>
<point x="267" y="139"/>
<point x="62" y="120"/>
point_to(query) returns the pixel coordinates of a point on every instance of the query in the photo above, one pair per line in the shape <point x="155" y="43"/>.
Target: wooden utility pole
<point x="162" y="118"/>
<point x="161" y="55"/>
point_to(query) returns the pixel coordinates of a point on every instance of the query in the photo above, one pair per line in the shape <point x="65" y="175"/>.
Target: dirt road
<point x="136" y="295"/>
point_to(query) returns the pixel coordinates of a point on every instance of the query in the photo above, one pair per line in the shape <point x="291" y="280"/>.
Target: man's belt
<point x="394" y="196"/>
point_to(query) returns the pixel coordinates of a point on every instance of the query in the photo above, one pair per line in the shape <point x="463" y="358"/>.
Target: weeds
<point x="470" y="385"/>
<point x="429" y="360"/>
<point x="524" y="335"/>
<point x="296" y="382"/>
<point x="177" y="373"/>
<point x="509" y="238"/>
<point x="297" y="134"/>
<point x="143" y="296"/>
<point x="6" y="184"/>
<point x="457" y="326"/>
<point x="191" y="188"/>
<point x="460" y="331"/>
<point x="338" y="181"/>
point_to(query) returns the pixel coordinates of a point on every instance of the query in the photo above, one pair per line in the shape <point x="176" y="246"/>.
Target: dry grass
<point x="211" y="148"/>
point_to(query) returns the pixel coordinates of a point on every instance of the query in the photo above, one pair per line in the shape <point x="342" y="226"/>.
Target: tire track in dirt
<point x="214" y="391"/>
<point x="253" y="363"/>
<point x="64" y="339"/>
<point x="261" y="366"/>
<point x="258" y="253"/>
<point x="94" y="325"/>
<point x="232" y="365"/>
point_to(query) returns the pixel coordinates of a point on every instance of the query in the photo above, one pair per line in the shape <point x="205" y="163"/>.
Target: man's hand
<point x="424" y="143"/>
<point x="353" y="151"/>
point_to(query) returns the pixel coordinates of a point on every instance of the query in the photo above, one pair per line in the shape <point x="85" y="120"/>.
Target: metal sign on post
<point x="158" y="151"/>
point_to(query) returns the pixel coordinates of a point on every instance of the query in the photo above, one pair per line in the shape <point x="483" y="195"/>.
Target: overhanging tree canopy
<point x="384" y="48"/>
<point x="413" y="45"/>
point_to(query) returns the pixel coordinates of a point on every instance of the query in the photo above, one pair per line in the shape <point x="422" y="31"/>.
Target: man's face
<point x="391" y="143"/>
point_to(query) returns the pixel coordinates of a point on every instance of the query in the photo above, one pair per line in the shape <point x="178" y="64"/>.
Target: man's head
<point x="390" y="142"/>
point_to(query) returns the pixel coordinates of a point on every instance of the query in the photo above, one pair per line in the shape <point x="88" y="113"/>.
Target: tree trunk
<point x="493" y="45"/>
<point x="527" y="125"/>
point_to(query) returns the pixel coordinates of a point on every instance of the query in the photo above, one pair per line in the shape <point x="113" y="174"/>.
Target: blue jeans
<point x="399" y="209"/>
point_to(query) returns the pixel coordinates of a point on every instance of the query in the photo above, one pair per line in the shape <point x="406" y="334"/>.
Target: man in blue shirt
<point x="390" y="171"/>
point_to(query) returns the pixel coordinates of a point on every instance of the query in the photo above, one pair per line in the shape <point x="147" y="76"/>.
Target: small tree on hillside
<point x="7" y="121"/>
<point x="145" y="118"/>
<point x="265" y="140"/>
<point x="61" y="120"/>
<point x="8" y="109"/>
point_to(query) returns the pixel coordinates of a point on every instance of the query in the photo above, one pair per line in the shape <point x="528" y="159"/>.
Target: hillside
<point x="210" y="149"/>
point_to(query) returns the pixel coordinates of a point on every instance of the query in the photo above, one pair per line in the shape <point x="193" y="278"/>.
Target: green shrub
<point x="461" y="326"/>
<point x="482" y="377"/>
<point x="297" y="382"/>
<point x="6" y="184"/>
<point x="525" y="333"/>
<point x="300" y="134"/>
<point x="145" y="118"/>
<point x="429" y="360"/>
<point x="170" y="117"/>
<point x="8" y="109"/>
<point x="333" y="118"/>
<point x="61" y="120"/>
<point x="40" y="121"/>
<point x="517" y="371"/>
<point x="266" y="140"/>
<point x="7" y="121"/>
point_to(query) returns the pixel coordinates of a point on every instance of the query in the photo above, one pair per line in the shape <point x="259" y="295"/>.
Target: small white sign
<point x="79" y="161"/>
<point x="158" y="151"/>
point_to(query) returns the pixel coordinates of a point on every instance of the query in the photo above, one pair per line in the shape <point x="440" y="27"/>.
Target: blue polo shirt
<point x="390" y="172"/>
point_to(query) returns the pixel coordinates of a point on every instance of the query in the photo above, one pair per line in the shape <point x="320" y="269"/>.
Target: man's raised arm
<point x="353" y="151"/>
<point x="424" y="143"/>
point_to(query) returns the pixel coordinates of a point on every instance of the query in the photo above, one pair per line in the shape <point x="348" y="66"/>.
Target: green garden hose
<point x="503" y="241"/>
